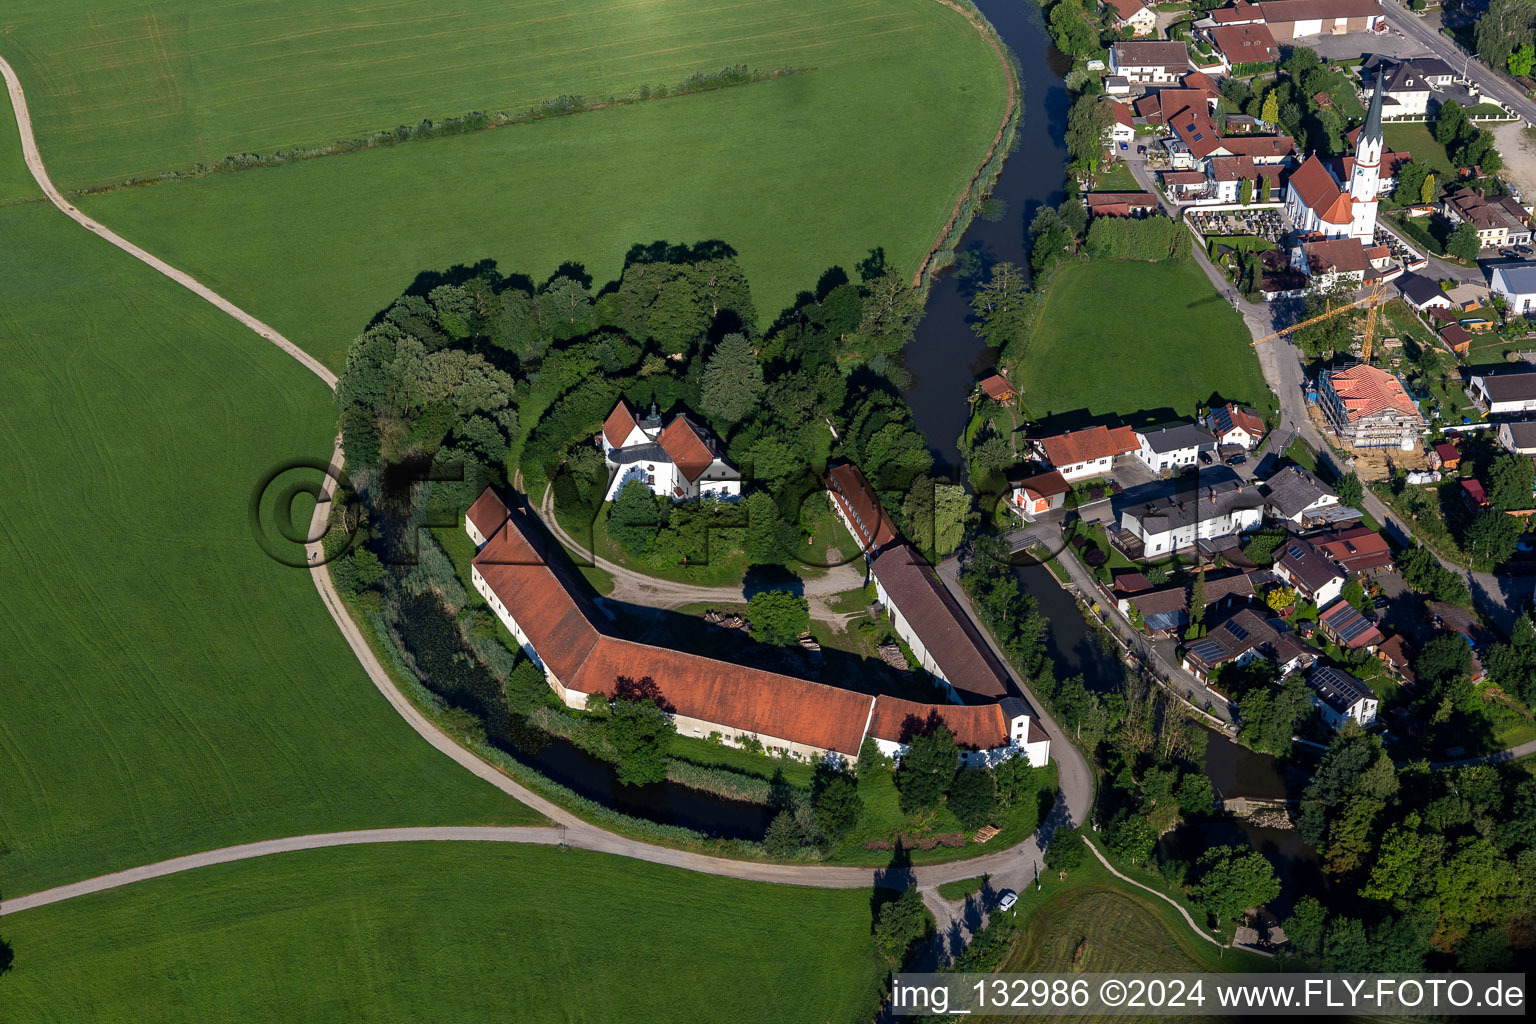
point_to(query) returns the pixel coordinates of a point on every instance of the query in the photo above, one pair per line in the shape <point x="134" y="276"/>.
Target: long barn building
<point x="537" y="598"/>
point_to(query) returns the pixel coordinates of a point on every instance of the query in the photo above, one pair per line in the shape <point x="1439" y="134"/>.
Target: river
<point x="945" y="356"/>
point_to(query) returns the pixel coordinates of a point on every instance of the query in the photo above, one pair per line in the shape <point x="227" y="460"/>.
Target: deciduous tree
<point x="778" y="616"/>
<point x="927" y="769"/>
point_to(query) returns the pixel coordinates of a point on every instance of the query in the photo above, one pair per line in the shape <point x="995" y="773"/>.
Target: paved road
<point x="1425" y="32"/>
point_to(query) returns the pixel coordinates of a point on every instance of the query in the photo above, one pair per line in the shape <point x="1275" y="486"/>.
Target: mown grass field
<point x="1094" y="922"/>
<point x="124" y="90"/>
<point x="1119" y="338"/>
<point x="447" y="933"/>
<point x="168" y="688"/>
<point x="870" y="148"/>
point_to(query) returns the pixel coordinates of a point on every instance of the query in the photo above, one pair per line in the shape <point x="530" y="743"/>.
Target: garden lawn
<point x="1420" y="141"/>
<point x="446" y="932"/>
<point x="1137" y="341"/>
<point x="168" y="688"/>
<point x="869" y="148"/>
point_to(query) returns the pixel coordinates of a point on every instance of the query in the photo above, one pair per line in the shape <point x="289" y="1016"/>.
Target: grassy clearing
<point x="1121" y="339"/>
<point x="847" y="149"/>
<point x="168" y="687"/>
<point x="1420" y="141"/>
<point x="442" y="931"/>
<point x="956" y="891"/>
<point x="121" y="91"/>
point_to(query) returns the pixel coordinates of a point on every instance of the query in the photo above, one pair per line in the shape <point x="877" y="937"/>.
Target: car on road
<point x="1237" y="460"/>
<point x="1125" y="145"/>
<point x="1509" y="254"/>
<point x="1381" y="601"/>
<point x="1006" y="899"/>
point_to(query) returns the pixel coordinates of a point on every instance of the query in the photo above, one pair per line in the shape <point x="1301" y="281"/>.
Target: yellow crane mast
<point x="1374" y="302"/>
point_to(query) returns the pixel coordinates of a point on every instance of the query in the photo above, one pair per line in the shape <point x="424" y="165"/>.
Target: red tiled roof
<point x="487" y="513"/>
<point x="997" y="387"/>
<point x="553" y="612"/>
<point x="1245" y="418"/>
<point x="1365" y="390"/>
<point x="1238" y="12"/>
<point x="1280" y="12"/>
<point x="946" y="631"/>
<point x="1320" y="193"/>
<point x="1343" y="254"/>
<point x="1122" y="113"/>
<point x="1242" y="44"/>
<point x="687" y="450"/>
<point x="1201" y="81"/>
<point x="619" y="424"/>
<point x="1183" y="178"/>
<point x="1126" y="8"/>
<point x="1046" y="485"/>
<point x="872" y="525"/>
<point x="1475" y="491"/>
<point x="974" y="726"/>
<point x="1233" y="168"/>
<point x="1258" y="145"/>
<point x="1088" y="445"/>
<point x="1358" y="549"/>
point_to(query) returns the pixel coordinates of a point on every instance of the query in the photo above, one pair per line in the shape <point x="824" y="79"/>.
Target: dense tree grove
<point x="1429" y="867"/>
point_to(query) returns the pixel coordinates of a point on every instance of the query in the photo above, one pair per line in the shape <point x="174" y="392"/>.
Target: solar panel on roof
<point x="1237" y="631"/>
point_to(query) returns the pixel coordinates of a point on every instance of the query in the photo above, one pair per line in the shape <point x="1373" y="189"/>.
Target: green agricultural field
<point x="168" y="688"/>
<point x="447" y="933"/>
<point x="1120" y="338"/>
<point x="870" y="148"/>
<point x="121" y="90"/>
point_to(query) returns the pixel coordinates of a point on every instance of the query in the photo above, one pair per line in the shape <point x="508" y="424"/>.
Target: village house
<point x="996" y="387"/>
<point x="1122" y="128"/>
<point x="1242" y="638"/>
<point x="1038" y="494"/>
<point x="1422" y="293"/>
<point x="1398" y="657"/>
<point x="682" y="461"/>
<point x="534" y="593"/>
<point x="1335" y="262"/>
<point x="1149" y="63"/>
<point x="859" y="507"/>
<point x="1517" y="283"/>
<point x="1406" y="83"/>
<point x="1121" y="204"/>
<point x="1342" y="623"/>
<point x="1358" y="549"/>
<point x="1227" y="174"/>
<point x="1170" y="522"/>
<point x="1315" y="578"/>
<point x="1079" y="454"/>
<point x="1294" y="494"/>
<point x="1243" y="44"/>
<point x="1369" y="408"/>
<point x="1174" y="448"/>
<point x="1499" y="221"/>
<point x="1132" y="14"/>
<point x="1300" y="19"/>
<point x="1518" y="436"/>
<point x="1504" y="393"/>
<point x="1341" y="697"/>
<point x="1164" y="613"/>
<point x="1233" y="425"/>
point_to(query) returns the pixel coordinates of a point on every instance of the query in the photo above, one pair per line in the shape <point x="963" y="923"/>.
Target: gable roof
<point x="1358" y="549"/>
<point x="1227" y="417"/>
<point x="1306" y="566"/>
<point x="1339" y="690"/>
<point x="1367" y="391"/>
<point x="1281" y="12"/>
<point x="1147" y="53"/>
<point x="974" y="726"/>
<point x="1419" y="290"/>
<point x="1127" y="9"/>
<point x="685" y="445"/>
<point x="1519" y="386"/>
<point x="1258" y="145"/>
<point x="1238" y="13"/>
<point x="1345" y="622"/>
<point x="1177" y="438"/>
<point x="1319" y="193"/>
<point x="487" y="513"/>
<point x="1515" y="278"/>
<point x="872" y="525"/>
<point x="1243" y="44"/>
<point x="1340" y="255"/>
<point x="1522" y="433"/>
<point x="619" y="424"/>
<point x="1293" y="490"/>
<point x="946" y="631"/>
<point x="1089" y="444"/>
<point x="996" y="386"/>
<point x="1045" y="485"/>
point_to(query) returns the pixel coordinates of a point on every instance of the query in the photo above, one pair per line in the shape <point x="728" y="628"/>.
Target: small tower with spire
<point x="1365" y="182"/>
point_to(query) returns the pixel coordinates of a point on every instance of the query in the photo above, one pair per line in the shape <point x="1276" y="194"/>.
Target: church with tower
<point x="1339" y="201"/>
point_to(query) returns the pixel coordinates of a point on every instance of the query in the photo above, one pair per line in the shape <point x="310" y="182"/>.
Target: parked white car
<point x="1006" y="899"/>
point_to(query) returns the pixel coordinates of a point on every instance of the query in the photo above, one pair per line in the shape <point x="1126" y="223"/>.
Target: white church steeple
<point x="1365" y="182"/>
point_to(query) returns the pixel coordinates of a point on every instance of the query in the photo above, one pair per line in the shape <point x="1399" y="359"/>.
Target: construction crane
<point x="1373" y="303"/>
